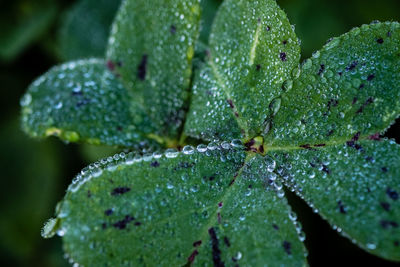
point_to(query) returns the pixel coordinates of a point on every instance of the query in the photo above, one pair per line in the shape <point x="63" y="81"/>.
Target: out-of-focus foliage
<point x="85" y="28"/>
<point x="23" y="22"/>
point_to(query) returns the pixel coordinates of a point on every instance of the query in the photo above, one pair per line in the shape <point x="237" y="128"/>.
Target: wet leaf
<point x="151" y="47"/>
<point x="179" y="208"/>
<point x="83" y="102"/>
<point x="354" y="186"/>
<point x="85" y="29"/>
<point x="350" y="87"/>
<point x="253" y="49"/>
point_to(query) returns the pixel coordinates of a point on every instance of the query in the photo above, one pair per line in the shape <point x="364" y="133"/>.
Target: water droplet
<point x="202" y="148"/>
<point x="225" y="145"/>
<point x="287" y="85"/>
<point x="274" y="106"/>
<point x="50" y="228"/>
<point x="171" y="153"/>
<point x="188" y="150"/>
<point x="238" y="256"/>
<point x="26" y="100"/>
<point x="237" y="143"/>
<point x="371" y="246"/>
<point x="271" y="164"/>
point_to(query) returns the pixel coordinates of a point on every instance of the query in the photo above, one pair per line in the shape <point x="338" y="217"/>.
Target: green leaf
<point x="350" y="87"/>
<point x="85" y="29"/>
<point x="23" y="24"/>
<point x="181" y="208"/>
<point x="204" y="120"/>
<point x="253" y="49"/>
<point x="151" y="47"/>
<point x="355" y="186"/>
<point x="209" y="9"/>
<point x="83" y="102"/>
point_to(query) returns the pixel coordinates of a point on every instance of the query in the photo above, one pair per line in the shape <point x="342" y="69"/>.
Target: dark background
<point x="37" y="34"/>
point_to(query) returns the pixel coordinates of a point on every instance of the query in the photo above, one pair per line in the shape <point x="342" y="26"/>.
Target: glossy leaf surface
<point x="350" y="87"/>
<point x="355" y="186"/>
<point x="181" y="208"/>
<point x="83" y="102"/>
<point x="253" y="50"/>
<point x="151" y="47"/>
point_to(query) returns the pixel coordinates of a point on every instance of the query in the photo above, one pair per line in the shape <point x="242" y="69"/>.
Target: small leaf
<point x="85" y="30"/>
<point x="181" y="208"/>
<point x="82" y="102"/>
<point x="350" y="87"/>
<point x="151" y="47"/>
<point x="355" y="186"/>
<point x="253" y="49"/>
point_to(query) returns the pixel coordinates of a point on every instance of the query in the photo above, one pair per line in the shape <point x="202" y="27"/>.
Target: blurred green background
<point x="37" y="34"/>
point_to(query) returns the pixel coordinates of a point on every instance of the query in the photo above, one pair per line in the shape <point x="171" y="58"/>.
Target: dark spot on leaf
<point x="330" y="132"/>
<point x="342" y="207"/>
<point x="282" y="56"/>
<point x="321" y="69"/>
<point x="287" y="247"/>
<point x="384" y="169"/>
<point x="216" y="252"/>
<point x="79" y="93"/>
<point x="325" y="169"/>
<point x="219" y="217"/>
<point x="284" y="42"/>
<point x="385" y="206"/>
<point x="172" y="29"/>
<point x="236" y="114"/>
<point x="340" y="73"/>
<point x="354" y="100"/>
<point x="392" y="193"/>
<point x="230" y="102"/>
<point x="312" y="164"/>
<point x="142" y="68"/>
<point x="388" y="224"/>
<point x="108" y="212"/>
<point x="120" y="191"/>
<point x="356" y="137"/>
<point x="227" y="242"/>
<point x="110" y="65"/>
<point x="361" y="86"/>
<point x="220" y="204"/>
<point x="319" y="145"/>
<point x="119" y="128"/>
<point x="375" y="137"/>
<point x="103" y="226"/>
<point x="89" y="194"/>
<point x="369" y="158"/>
<point x="332" y="103"/>
<point x="389" y="34"/>
<point x="122" y="223"/>
<point x="370" y="77"/>
<point x="138" y="223"/>
<point x="276" y="227"/>
<point x="305" y="146"/>
<point x="352" y="65"/>
<point x="261" y="149"/>
<point x="258" y="67"/>
<point x="379" y="41"/>
<point x="396" y="243"/>
<point x="192" y="256"/>
<point x="197" y="243"/>
<point x="155" y="164"/>
<point x="353" y="145"/>
<point x="268" y="28"/>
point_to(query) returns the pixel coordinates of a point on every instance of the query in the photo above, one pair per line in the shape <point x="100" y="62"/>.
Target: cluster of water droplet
<point x="112" y="163"/>
<point x="341" y="93"/>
